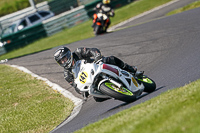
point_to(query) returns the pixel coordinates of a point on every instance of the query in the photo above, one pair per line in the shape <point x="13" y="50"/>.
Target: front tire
<point x="97" y="30"/>
<point x="112" y="90"/>
<point x="149" y="84"/>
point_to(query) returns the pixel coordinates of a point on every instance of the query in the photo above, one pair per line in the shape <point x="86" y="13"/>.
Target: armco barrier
<point x="65" y="20"/>
<point x="5" y="21"/>
<point x="47" y="28"/>
<point x="84" y="2"/>
<point x="23" y="37"/>
<point x="2" y="50"/>
<point x="60" y="6"/>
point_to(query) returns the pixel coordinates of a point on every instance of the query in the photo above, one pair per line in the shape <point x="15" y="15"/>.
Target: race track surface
<point x="167" y="49"/>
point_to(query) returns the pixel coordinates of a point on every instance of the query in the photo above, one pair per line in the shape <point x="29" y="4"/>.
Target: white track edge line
<point x="141" y="15"/>
<point x="77" y="101"/>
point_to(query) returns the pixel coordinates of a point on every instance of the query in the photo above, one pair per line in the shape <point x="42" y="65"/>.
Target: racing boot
<point x="133" y="70"/>
<point x="139" y="74"/>
<point x="93" y="25"/>
<point x="129" y="68"/>
<point x="85" y="95"/>
<point x="105" y="30"/>
<point x="106" y="27"/>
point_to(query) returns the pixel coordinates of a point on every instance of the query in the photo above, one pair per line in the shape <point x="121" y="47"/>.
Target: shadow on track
<point x="141" y="96"/>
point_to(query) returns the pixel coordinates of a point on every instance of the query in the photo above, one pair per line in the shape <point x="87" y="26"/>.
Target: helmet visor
<point x="65" y="60"/>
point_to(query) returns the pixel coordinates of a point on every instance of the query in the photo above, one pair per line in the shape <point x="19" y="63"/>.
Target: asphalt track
<point x="167" y="49"/>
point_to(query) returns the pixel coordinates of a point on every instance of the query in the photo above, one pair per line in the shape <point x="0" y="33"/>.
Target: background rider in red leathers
<point x="105" y="8"/>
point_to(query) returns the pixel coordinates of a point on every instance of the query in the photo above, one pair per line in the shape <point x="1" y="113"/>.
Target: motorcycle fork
<point x="85" y="95"/>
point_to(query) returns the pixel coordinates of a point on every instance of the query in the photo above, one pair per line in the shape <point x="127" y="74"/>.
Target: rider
<point x="105" y="8"/>
<point x="65" y="58"/>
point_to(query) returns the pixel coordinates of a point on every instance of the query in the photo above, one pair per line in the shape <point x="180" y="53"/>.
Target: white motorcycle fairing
<point x="99" y="15"/>
<point x="89" y="76"/>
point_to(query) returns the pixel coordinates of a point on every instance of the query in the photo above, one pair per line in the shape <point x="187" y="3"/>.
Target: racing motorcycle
<point x="105" y="81"/>
<point x="101" y="20"/>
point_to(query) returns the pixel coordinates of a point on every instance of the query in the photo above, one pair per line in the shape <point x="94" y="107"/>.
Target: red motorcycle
<point x="101" y="22"/>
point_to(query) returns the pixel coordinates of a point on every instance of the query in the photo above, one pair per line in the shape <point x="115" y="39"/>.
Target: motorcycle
<point x="105" y="81"/>
<point x="101" y="20"/>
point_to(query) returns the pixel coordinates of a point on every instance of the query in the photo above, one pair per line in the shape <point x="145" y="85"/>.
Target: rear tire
<point x="121" y="94"/>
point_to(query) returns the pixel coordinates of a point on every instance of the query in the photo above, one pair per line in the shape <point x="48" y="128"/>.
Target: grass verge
<point x="10" y="6"/>
<point x="28" y="104"/>
<point x="193" y="5"/>
<point x="175" y="111"/>
<point x="84" y="31"/>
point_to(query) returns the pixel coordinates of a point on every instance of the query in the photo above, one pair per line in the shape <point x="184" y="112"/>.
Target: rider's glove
<point x="97" y="57"/>
<point x="68" y="76"/>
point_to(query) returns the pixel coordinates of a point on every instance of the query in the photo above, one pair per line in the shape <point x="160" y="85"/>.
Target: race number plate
<point x="83" y="77"/>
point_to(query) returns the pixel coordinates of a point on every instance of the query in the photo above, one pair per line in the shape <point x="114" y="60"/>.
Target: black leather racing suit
<point x="88" y="54"/>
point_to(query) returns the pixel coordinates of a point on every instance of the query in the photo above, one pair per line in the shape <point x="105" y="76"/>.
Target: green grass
<point x="10" y="6"/>
<point x="28" y="104"/>
<point x="135" y="8"/>
<point x="84" y="31"/>
<point x="193" y="5"/>
<point x="175" y="111"/>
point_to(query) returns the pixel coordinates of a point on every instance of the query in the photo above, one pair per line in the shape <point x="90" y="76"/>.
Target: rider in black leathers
<point x="65" y="58"/>
<point x="105" y="8"/>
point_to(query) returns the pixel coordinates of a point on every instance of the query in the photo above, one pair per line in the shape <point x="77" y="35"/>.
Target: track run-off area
<point x="166" y="48"/>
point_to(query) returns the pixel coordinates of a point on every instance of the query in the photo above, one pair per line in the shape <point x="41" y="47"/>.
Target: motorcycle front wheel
<point x="97" y="30"/>
<point x="149" y="84"/>
<point x="114" y="91"/>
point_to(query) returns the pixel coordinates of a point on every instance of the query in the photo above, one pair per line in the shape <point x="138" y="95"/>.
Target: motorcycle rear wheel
<point x="112" y="90"/>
